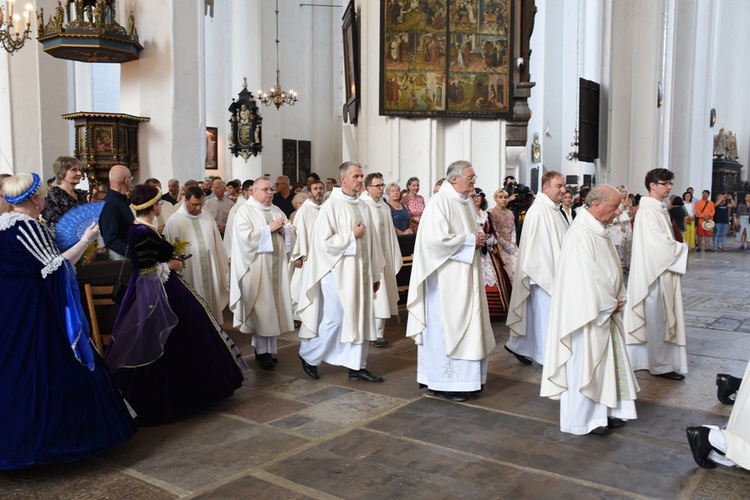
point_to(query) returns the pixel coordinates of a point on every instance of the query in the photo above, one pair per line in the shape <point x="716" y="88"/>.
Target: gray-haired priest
<point x="259" y="295"/>
<point x="586" y="362"/>
<point x="448" y="315"/>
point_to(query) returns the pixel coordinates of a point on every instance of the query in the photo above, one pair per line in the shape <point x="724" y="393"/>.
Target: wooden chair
<point x="99" y="296"/>
<point x="402" y="280"/>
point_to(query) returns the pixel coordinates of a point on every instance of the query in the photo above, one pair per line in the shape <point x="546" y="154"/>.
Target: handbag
<point x="120" y="288"/>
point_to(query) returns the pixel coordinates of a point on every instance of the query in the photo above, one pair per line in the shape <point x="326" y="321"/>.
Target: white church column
<point x="635" y="60"/>
<point x="688" y="93"/>
<point x="245" y="23"/>
<point x="167" y="85"/>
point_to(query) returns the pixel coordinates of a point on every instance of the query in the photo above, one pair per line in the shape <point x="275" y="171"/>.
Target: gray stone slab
<point x="263" y="407"/>
<point x="251" y="487"/>
<point x="84" y="479"/>
<point x="722" y="482"/>
<point x="618" y="461"/>
<point x="196" y="453"/>
<point x="363" y="464"/>
<point x="351" y="408"/>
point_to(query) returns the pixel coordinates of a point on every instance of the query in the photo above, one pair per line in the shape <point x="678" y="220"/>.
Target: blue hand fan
<point x="71" y="226"/>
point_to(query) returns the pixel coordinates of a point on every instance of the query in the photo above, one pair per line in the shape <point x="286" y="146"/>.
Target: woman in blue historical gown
<point x="57" y="399"/>
<point x="169" y="356"/>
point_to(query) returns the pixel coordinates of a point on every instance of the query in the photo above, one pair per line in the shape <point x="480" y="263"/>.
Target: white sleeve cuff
<point x="465" y="254"/>
<point x="265" y="243"/>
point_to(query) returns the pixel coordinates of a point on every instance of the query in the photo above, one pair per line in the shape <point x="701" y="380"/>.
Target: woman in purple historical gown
<point x="169" y="355"/>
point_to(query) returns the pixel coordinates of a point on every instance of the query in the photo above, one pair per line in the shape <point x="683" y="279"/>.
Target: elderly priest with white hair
<point x="586" y="363"/>
<point x="448" y="315"/>
<point x="259" y="297"/>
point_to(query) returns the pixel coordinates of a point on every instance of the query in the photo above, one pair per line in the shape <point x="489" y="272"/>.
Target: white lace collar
<point x="9" y="219"/>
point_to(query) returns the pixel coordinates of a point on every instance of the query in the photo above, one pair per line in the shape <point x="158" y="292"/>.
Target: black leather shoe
<point x="615" y="423"/>
<point x="601" y="431"/>
<point x="726" y="385"/>
<point x="670" y="376"/>
<point x="379" y="343"/>
<point x="265" y="361"/>
<point x="257" y="358"/>
<point x="364" y="375"/>
<point x="700" y="447"/>
<point x="422" y="386"/>
<point x="312" y="371"/>
<point x="454" y="397"/>
<point x="523" y="359"/>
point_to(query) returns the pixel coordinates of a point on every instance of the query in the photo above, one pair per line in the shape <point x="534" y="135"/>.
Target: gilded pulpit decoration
<point x="245" y="138"/>
<point x="91" y="34"/>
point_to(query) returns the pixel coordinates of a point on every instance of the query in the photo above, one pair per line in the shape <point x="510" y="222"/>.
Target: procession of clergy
<point x="334" y="268"/>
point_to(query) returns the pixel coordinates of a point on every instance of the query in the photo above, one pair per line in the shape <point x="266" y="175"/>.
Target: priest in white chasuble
<point x="729" y="446"/>
<point x="386" y="299"/>
<point x="247" y="193"/>
<point x="448" y="314"/>
<point x="207" y="270"/>
<point x="538" y="260"/>
<point x="304" y="221"/>
<point x="654" y="319"/>
<point x="260" y="298"/>
<point x="340" y="278"/>
<point x="586" y="363"/>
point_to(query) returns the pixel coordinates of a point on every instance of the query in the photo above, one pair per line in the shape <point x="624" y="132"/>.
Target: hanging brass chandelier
<point x="277" y="96"/>
<point x="11" y="38"/>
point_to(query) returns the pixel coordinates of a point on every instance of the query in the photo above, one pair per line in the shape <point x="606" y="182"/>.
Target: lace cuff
<point x="162" y="268"/>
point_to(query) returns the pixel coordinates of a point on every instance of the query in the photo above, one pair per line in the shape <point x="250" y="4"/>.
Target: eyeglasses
<point x="470" y="178"/>
<point x="378" y="186"/>
<point x="668" y="183"/>
<point x="196" y="204"/>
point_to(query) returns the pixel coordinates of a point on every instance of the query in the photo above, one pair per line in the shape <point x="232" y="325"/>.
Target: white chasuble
<point x="207" y="271"/>
<point x="445" y="247"/>
<point x="354" y="263"/>
<point x="304" y="221"/>
<point x="737" y="433"/>
<point x="585" y="352"/>
<point x="230" y="224"/>
<point x="538" y="257"/>
<point x="260" y="298"/>
<point x="386" y="298"/>
<point x="654" y="319"/>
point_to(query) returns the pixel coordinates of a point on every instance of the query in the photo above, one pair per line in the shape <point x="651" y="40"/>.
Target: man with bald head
<point x="538" y="256"/>
<point x="586" y="362"/>
<point x="116" y="217"/>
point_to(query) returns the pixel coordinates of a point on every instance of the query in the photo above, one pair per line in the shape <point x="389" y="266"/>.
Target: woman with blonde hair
<point x="57" y="399"/>
<point x="169" y="355"/>
<point x="505" y="231"/>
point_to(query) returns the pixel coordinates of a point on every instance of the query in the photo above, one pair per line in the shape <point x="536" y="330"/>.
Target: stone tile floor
<point x="283" y="435"/>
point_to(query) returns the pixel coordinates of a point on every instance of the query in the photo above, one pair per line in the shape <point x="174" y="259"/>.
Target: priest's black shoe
<point x="311" y="370"/>
<point x="615" y="423"/>
<point x="379" y="343"/>
<point x="523" y="359"/>
<point x="670" y="376"/>
<point x="265" y="361"/>
<point x="364" y="375"/>
<point x="275" y="360"/>
<point x="454" y="397"/>
<point x="700" y="447"/>
<point x="601" y="431"/>
<point x="726" y="385"/>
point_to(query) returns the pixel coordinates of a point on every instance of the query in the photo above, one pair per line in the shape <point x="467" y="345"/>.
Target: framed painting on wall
<point x="212" y="148"/>
<point x="446" y="58"/>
